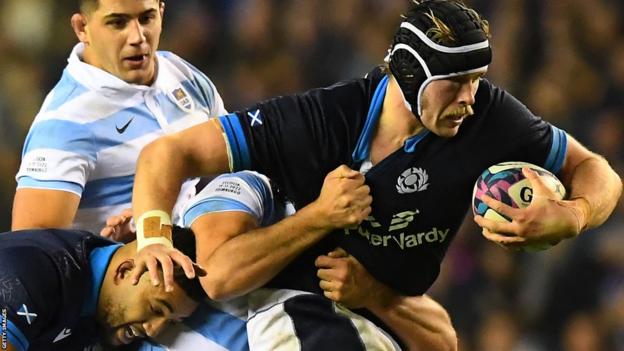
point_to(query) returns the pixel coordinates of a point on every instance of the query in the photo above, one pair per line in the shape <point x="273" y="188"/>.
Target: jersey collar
<point x="362" y="149"/>
<point x="99" y="259"/>
<point x="99" y="80"/>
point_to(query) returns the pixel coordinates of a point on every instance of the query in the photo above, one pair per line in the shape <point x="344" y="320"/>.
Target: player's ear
<point x="123" y="270"/>
<point x="161" y="7"/>
<point x="79" y="25"/>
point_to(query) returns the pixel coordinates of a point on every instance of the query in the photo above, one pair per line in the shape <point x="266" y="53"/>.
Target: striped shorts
<point x="292" y="320"/>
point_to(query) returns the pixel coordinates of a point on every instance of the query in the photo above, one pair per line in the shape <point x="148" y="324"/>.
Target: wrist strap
<point x="154" y="227"/>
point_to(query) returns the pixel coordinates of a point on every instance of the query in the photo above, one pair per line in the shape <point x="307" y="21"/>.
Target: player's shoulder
<point x="28" y="270"/>
<point x="51" y="242"/>
<point x="342" y="102"/>
<point x="235" y="184"/>
<point x="496" y="102"/>
<point x="248" y="177"/>
<point x="245" y="191"/>
<point x="352" y="90"/>
<point x="49" y="284"/>
<point x="66" y="90"/>
<point x="179" y="64"/>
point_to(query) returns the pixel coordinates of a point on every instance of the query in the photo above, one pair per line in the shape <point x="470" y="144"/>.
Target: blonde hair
<point x="441" y="33"/>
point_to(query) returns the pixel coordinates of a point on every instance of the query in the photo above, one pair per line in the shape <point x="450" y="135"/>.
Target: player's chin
<point x="447" y="131"/>
<point x="109" y="339"/>
<point x="142" y="75"/>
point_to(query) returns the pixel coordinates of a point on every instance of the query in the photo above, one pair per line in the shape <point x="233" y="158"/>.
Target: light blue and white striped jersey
<point x="264" y="319"/>
<point x="92" y="125"/>
<point x="214" y="326"/>
<point x="244" y="191"/>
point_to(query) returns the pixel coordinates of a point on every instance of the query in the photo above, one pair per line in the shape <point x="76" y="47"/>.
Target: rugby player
<point x="228" y="210"/>
<point x="116" y="94"/>
<point x="421" y="128"/>
<point x="67" y="289"/>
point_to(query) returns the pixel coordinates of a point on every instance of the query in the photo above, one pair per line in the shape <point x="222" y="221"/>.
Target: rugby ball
<point x="506" y="183"/>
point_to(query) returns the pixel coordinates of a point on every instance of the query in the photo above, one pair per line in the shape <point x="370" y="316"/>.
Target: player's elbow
<point x="163" y="148"/>
<point x="446" y="333"/>
<point x="448" y="340"/>
<point x="217" y="287"/>
<point x="440" y="340"/>
<point x="439" y="333"/>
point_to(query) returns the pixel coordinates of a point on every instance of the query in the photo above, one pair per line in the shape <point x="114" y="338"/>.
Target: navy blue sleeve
<point x="296" y="140"/>
<point x="508" y="131"/>
<point x="28" y="294"/>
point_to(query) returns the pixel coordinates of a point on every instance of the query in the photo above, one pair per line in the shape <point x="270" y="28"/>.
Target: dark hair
<point x="184" y="240"/>
<point x="86" y="6"/>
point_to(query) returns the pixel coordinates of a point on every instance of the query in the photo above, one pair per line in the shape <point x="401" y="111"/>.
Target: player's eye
<point x="117" y="23"/>
<point x="147" y="18"/>
<point x="157" y="311"/>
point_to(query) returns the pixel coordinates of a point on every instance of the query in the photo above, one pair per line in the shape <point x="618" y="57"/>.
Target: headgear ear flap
<point x="415" y="60"/>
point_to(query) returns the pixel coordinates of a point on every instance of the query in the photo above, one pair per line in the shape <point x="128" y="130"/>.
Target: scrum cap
<point x="415" y="60"/>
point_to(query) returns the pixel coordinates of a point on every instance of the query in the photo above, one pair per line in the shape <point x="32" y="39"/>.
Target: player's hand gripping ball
<point x="506" y="183"/>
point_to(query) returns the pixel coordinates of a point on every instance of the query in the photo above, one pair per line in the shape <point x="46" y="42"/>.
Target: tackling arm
<point x="420" y="322"/>
<point x="161" y="168"/>
<point x="239" y="258"/>
<point x="166" y="162"/>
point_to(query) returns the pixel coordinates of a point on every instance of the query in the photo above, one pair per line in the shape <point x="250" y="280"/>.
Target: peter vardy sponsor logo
<point x="394" y="235"/>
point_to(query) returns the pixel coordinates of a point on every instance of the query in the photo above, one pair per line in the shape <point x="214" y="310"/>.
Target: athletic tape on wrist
<point x="154" y="227"/>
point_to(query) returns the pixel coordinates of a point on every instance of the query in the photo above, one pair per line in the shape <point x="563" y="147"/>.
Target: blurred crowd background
<point x="563" y="58"/>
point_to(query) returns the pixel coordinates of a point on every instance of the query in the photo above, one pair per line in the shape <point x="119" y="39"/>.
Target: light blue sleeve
<point x="246" y="191"/>
<point x="57" y="154"/>
<point x="558" y="151"/>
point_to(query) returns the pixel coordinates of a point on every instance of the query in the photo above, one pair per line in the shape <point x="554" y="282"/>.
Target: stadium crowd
<point x="566" y="64"/>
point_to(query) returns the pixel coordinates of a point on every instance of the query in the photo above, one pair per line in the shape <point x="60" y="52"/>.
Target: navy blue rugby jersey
<point x="421" y="192"/>
<point x="49" y="285"/>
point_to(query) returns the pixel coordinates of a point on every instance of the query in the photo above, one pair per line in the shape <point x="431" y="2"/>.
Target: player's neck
<point x="396" y="124"/>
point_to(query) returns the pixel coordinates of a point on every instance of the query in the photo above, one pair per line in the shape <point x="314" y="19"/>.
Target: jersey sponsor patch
<point x="390" y="236"/>
<point x="36" y="164"/>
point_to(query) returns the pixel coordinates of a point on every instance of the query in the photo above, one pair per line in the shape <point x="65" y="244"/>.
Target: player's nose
<point x="154" y="326"/>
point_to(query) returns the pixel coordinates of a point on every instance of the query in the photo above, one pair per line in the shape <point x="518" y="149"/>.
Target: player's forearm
<point x="596" y="189"/>
<point x="251" y="259"/>
<point x="159" y="175"/>
<point x="420" y="322"/>
<point x="165" y="163"/>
